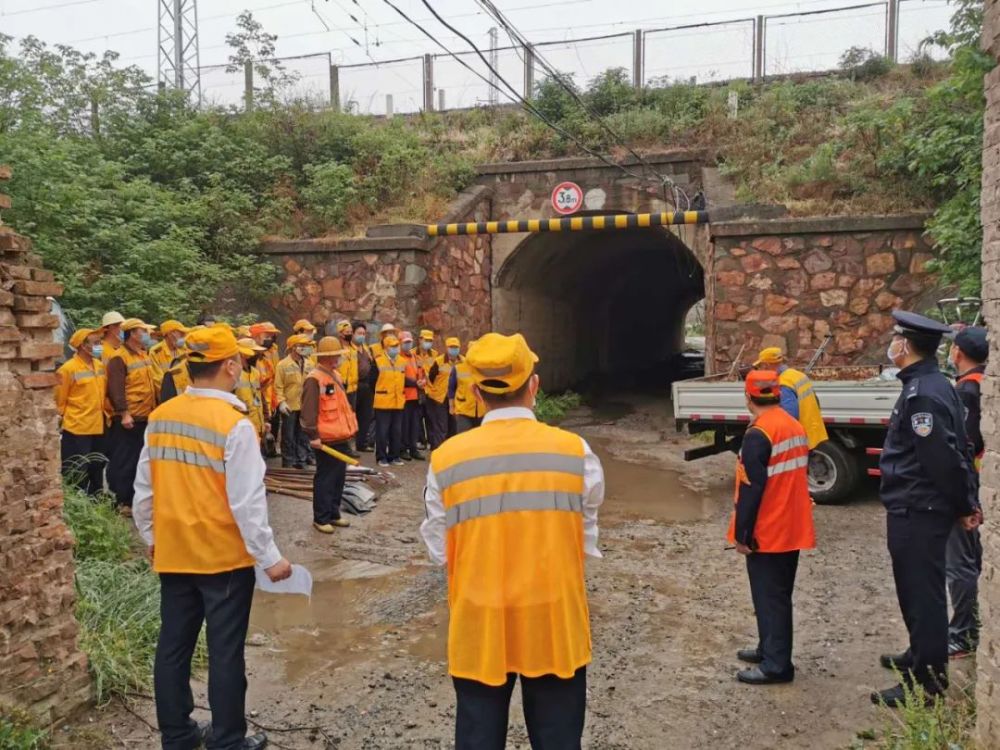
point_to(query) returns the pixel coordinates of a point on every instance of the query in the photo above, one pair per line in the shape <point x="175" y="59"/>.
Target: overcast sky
<point x="719" y="52"/>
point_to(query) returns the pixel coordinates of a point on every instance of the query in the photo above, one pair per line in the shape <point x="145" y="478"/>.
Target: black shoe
<point x="958" y="650"/>
<point x="749" y="655"/>
<point x="417" y="456"/>
<point x="255" y="742"/>
<point x="286" y="464"/>
<point x="755" y="676"/>
<point x="406" y="456"/>
<point x="895" y="697"/>
<point x="311" y="462"/>
<point x="204" y="732"/>
<point x="352" y="453"/>
<point x="366" y="449"/>
<point x="898" y="662"/>
<point x="299" y="466"/>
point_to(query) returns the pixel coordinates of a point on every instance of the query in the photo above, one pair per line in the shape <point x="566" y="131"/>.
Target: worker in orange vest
<point x="511" y="509"/>
<point x="328" y="419"/>
<point x="415" y="381"/>
<point x="771" y="524"/>
<point x="201" y="507"/>
<point x="964" y="553"/>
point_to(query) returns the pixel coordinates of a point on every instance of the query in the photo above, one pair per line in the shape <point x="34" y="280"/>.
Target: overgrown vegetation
<point x="945" y="725"/>
<point x="157" y="209"/>
<point x="118" y="598"/>
<point x="17" y="732"/>
<point x="552" y="409"/>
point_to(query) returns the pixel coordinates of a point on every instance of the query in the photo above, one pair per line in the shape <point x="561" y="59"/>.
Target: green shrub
<point x="100" y="533"/>
<point x="17" y="732"/>
<point x="945" y="725"/>
<point x="864" y="64"/>
<point x="330" y="191"/>
<point x="552" y="409"/>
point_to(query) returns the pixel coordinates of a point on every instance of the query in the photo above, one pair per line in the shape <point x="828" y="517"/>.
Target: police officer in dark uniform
<point x="926" y="487"/>
<point x="965" y="550"/>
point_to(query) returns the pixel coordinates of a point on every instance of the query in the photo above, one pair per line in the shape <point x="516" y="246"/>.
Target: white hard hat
<point x="112" y="318"/>
<point x="388" y="328"/>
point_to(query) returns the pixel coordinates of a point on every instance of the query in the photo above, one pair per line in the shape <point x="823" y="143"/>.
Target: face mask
<point x="893" y="354"/>
<point x="146" y="340"/>
<point x="268" y="343"/>
<point x="253" y="359"/>
<point x="359" y="339"/>
<point x="306" y="351"/>
<point x="453" y="351"/>
<point x="123" y="335"/>
<point x="180" y="342"/>
<point x="408" y="346"/>
<point x="393" y="351"/>
<point x="96" y="351"/>
<point x="426" y="345"/>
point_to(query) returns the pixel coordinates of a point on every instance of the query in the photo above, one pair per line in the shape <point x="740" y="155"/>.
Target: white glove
<point x="283" y="408"/>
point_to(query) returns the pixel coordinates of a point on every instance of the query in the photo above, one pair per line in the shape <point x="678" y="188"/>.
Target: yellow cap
<point x="248" y="346"/>
<point x="770" y="356"/>
<point x="297" y="340"/>
<point x="329" y="346"/>
<point x="223" y="324"/>
<point x="169" y="326"/>
<point x="501" y="364"/>
<point x="132" y="323"/>
<point x="344" y="325"/>
<point x="427" y="334"/>
<point x="242" y="332"/>
<point x="303" y="325"/>
<point x="453" y="341"/>
<point x="213" y="344"/>
<point x="390" y="340"/>
<point x="79" y="336"/>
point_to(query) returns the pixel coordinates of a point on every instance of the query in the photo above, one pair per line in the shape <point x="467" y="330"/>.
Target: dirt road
<point x="365" y="659"/>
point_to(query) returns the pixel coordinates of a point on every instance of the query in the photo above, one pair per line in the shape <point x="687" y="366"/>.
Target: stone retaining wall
<point x="41" y="668"/>
<point x="793" y="282"/>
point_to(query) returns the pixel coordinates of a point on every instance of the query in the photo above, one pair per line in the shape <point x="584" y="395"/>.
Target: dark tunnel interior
<point x="611" y="303"/>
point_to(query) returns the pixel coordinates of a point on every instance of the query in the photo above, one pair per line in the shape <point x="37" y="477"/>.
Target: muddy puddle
<point x="359" y="611"/>
<point x="637" y="491"/>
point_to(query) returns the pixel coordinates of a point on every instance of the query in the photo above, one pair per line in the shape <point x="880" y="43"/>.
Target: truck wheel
<point x="833" y="473"/>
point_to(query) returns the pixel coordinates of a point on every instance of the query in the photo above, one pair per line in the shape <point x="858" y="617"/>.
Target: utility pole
<point x="178" y="59"/>
<point x="494" y="93"/>
<point x="892" y="31"/>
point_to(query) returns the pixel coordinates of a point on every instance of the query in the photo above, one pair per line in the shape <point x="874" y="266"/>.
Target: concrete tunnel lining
<point x="602" y="302"/>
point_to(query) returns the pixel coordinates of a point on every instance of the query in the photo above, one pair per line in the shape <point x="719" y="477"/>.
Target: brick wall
<point x="41" y="668"/>
<point x="988" y="660"/>
<point x="792" y="282"/>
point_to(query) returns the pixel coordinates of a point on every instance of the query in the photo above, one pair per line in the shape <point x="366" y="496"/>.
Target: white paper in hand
<point x="299" y="582"/>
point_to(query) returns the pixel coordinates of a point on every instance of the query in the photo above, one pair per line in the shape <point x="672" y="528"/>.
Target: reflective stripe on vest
<point x="183" y="429"/>
<point x="790" y="465"/>
<point x="509" y="502"/>
<point x="84" y="375"/>
<point x="493" y="465"/>
<point x="192" y="458"/>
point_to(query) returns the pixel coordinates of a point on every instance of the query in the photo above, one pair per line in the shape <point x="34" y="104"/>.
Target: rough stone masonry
<point x="988" y="659"/>
<point x="41" y="668"/>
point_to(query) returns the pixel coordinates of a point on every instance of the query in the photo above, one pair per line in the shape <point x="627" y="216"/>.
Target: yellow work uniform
<point x="109" y="350"/>
<point x="80" y="396"/>
<point x="179" y="372"/>
<point x="810" y="416"/>
<point x="349" y="368"/>
<point x="513" y="492"/>
<point x="140" y="387"/>
<point x="426" y="361"/>
<point x="390" y="389"/>
<point x="248" y="391"/>
<point x="195" y="528"/>
<point x="466" y="403"/>
<point x="288" y="379"/>
<point x="163" y="358"/>
<point x="437" y="390"/>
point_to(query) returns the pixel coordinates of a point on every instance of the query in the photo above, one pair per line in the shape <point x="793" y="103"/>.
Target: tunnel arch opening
<point x="601" y="303"/>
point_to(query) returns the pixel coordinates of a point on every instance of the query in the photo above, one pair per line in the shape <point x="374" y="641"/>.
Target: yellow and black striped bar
<point x="570" y="223"/>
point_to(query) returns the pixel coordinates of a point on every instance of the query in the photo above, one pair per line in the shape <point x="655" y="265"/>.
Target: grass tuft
<point x="552" y="409"/>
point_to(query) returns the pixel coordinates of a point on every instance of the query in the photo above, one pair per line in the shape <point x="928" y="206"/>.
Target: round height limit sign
<point x="567" y="198"/>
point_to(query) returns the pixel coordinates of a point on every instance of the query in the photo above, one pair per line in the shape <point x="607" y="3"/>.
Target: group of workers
<point x="511" y="504"/>
<point x="399" y="395"/>
<point x="929" y="467"/>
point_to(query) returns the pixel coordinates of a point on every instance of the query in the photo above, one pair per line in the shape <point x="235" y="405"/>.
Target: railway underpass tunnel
<point x="604" y="305"/>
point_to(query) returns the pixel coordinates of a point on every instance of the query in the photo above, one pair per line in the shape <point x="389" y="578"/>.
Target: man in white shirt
<point x="512" y="511"/>
<point x="201" y="506"/>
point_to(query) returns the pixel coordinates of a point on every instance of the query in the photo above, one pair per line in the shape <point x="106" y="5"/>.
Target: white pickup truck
<point x="856" y="403"/>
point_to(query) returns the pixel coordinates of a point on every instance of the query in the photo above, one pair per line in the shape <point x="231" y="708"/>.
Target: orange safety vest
<point x="784" y="521"/>
<point x="389" y="386"/>
<point x="466" y="403"/>
<point x="975" y="377"/>
<point x="140" y="384"/>
<point x="513" y="497"/>
<point x="193" y="527"/>
<point x="336" y="421"/>
<point x="438" y="389"/>
<point x="412" y="393"/>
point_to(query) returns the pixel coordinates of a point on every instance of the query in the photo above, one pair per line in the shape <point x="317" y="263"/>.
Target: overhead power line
<point x="56" y="6"/>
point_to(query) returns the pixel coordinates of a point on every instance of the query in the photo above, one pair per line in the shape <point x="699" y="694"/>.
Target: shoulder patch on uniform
<point x="923" y="423"/>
